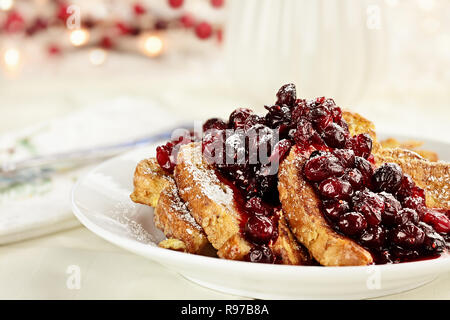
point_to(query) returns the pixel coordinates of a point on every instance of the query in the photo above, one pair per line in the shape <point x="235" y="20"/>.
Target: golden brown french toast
<point x="302" y="210"/>
<point x="149" y="180"/>
<point x="155" y="188"/>
<point x="209" y="200"/>
<point x="174" y="219"/>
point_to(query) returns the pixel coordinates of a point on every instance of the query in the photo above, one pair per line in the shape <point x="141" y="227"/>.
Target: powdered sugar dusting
<point x="182" y="209"/>
<point x="206" y="177"/>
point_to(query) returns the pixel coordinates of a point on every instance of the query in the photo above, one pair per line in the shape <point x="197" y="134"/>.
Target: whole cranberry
<point x="164" y="158"/>
<point x="408" y="236"/>
<point x="439" y="221"/>
<point x="404" y="254"/>
<point x="238" y="118"/>
<point x="406" y="187"/>
<point x="260" y="254"/>
<point x="433" y="242"/>
<point x="304" y="132"/>
<point x="287" y="95"/>
<point x="352" y="223"/>
<point x="346" y="156"/>
<point x="355" y="178"/>
<point x="392" y="210"/>
<point x="333" y="209"/>
<point x="259" y="229"/>
<point x="214" y="123"/>
<point x="255" y="205"/>
<point x="277" y="115"/>
<point x="252" y="121"/>
<point x="335" y="188"/>
<point x="322" y="167"/>
<point x="335" y="136"/>
<point x="361" y="144"/>
<point x="373" y="237"/>
<point x="387" y="177"/>
<point x="365" y="167"/>
<point x="416" y="203"/>
<point x="370" y="204"/>
<point x="321" y="117"/>
<point x="409" y="216"/>
<point x="336" y="112"/>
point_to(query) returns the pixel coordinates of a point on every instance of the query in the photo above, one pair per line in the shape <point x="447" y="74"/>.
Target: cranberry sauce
<point x="380" y="208"/>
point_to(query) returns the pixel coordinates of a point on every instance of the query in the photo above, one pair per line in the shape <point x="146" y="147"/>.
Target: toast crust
<point x="173" y="218"/>
<point x="210" y="201"/>
<point x="149" y="181"/>
<point x="307" y="223"/>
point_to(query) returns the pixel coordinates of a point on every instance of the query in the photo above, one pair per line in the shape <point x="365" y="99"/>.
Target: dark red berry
<point x="238" y="118"/>
<point x="322" y="167"/>
<point x="439" y="221"/>
<point x="361" y="144"/>
<point x="433" y="242"/>
<point x="335" y="136"/>
<point x="335" y="188"/>
<point x="409" y="216"/>
<point x="259" y="229"/>
<point x="365" y="167"/>
<point x="355" y="178"/>
<point x="392" y="210"/>
<point x="406" y="187"/>
<point x="278" y="115"/>
<point x="370" y="205"/>
<point x="408" y="236"/>
<point x="352" y="223"/>
<point x="373" y="237"/>
<point x="287" y="95"/>
<point x="416" y="203"/>
<point x="164" y="158"/>
<point x="304" y="132"/>
<point x="387" y="178"/>
<point x="214" y="123"/>
<point x="260" y="254"/>
<point x="346" y="156"/>
<point x="335" y="208"/>
<point x="321" y="117"/>
<point x="256" y="206"/>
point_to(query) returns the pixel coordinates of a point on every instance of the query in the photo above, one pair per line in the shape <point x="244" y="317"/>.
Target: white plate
<point x="100" y="200"/>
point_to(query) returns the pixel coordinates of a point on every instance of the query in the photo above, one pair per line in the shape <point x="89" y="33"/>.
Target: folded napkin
<point x="42" y="206"/>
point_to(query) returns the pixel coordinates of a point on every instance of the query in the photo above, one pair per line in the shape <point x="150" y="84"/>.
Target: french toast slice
<point x="432" y="176"/>
<point x="174" y="219"/>
<point x="149" y="181"/>
<point x="211" y="203"/>
<point x="302" y="210"/>
<point x="155" y="188"/>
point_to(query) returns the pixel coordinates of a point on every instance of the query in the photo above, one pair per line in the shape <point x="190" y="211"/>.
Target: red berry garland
<point x="176" y="3"/>
<point x="217" y="3"/>
<point x="139" y="9"/>
<point x="203" y="30"/>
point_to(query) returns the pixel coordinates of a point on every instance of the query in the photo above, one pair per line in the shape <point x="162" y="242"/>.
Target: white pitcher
<point x="332" y="48"/>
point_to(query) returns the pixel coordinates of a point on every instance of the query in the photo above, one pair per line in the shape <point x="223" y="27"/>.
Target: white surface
<point x="100" y="200"/>
<point x="40" y="207"/>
